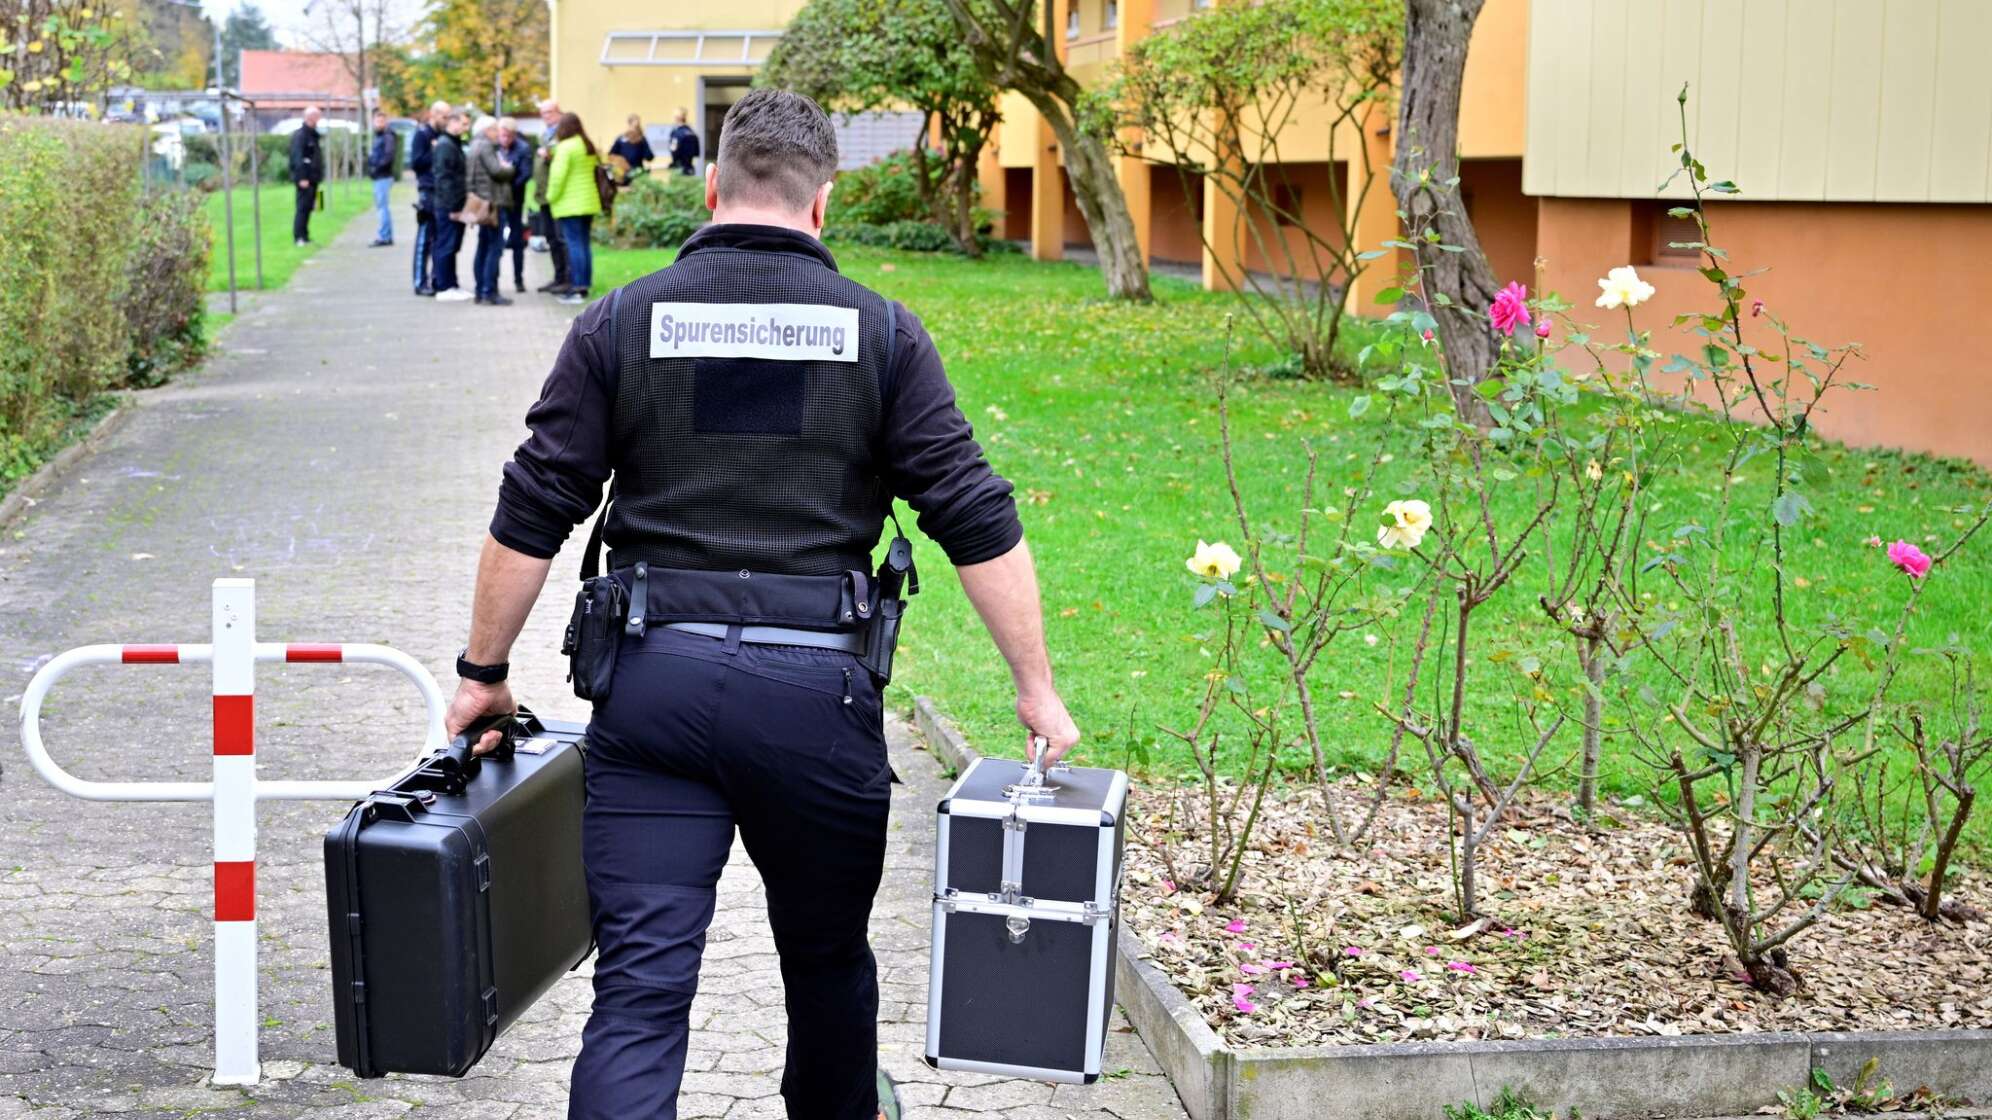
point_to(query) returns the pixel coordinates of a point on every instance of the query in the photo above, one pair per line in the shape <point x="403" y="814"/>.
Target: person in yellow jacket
<point x="574" y="201"/>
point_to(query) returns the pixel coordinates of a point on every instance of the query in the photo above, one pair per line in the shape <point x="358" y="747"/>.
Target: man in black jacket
<point x="421" y="157"/>
<point x="451" y="173"/>
<point x="684" y="146"/>
<point x="757" y="411"/>
<point x="307" y="166"/>
<point x="380" y="168"/>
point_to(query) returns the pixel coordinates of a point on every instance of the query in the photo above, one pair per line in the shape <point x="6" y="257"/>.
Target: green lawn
<point x="280" y="256"/>
<point x="1102" y="417"/>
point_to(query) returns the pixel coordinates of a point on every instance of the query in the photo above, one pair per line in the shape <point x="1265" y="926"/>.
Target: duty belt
<point x="849" y="641"/>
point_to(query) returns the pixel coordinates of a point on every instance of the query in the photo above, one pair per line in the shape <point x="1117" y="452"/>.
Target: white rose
<point x="1623" y="287"/>
<point x="1405" y="523"/>
<point x="1213" y="561"/>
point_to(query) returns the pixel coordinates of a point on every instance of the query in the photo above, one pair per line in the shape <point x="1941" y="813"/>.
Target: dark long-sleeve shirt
<point x="421" y="154"/>
<point x="927" y="448"/>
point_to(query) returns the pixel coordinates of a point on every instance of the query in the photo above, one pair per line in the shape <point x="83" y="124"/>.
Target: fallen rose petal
<point x="1431" y="950"/>
<point x="1237" y="926"/>
<point x="1299" y="981"/>
<point x="1353" y="951"/>
<point x="1244" y="1006"/>
<point x="1248" y="945"/>
<point x="1279" y="965"/>
<point x="1410" y="976"/>
<point x="1250" y="969"/>
<point x="1461" y="966"/>
<point x="1239" y="991"/>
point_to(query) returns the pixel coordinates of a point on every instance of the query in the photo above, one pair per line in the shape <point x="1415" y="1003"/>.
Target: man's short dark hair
<point x="775" y="148"/>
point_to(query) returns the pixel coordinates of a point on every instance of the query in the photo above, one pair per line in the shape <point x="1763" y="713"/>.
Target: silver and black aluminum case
<point x="1026" y="905"/>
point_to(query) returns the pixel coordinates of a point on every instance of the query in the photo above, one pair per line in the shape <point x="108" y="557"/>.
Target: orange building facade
<point x="1859" y="132"/>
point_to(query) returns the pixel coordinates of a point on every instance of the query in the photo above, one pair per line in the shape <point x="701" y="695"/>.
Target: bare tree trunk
<point x="1101" y="200"/>
<point x="1593" y="659"/>
<point x="1436" y="35"/>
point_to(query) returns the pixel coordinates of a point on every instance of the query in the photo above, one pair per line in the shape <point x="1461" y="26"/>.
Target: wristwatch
<point x="482" y="674"/>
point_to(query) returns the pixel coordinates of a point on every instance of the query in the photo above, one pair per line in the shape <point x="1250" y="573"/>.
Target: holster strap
<point x="849" y="642"/>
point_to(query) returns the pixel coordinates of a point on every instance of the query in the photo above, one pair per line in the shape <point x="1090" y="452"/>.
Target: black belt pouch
<point x="593" y="632"/>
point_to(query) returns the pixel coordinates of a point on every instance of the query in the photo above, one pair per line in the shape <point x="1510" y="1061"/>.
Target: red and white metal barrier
<point x="235" y="788"/>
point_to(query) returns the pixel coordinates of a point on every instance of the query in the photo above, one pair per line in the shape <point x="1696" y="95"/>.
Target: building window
<point x="1658" y="232"/>
<point x="1072" y="21"/>
<point x="1113" y="14"/>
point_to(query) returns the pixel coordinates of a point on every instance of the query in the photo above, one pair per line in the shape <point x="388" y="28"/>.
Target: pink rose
<point x="1542" y="328"/>
<point x="1909" y="558"/>
<point x="1510" y="309"/>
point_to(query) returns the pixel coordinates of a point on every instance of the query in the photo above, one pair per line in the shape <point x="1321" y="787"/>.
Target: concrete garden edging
<point x="1685" y="1076"/>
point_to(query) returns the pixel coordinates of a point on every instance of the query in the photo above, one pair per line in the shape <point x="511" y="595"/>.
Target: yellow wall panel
<point x="1547" y="47"/>
<point x="1492" y="119"/>
<point x="1645" y="136"/>
<point x="1833" y="100"/>
<point x="1961" y="121"/>
<point x="1808" y="91"/>
<point x="1760" y="99"/>
<point x="1853" y="118"/>
<point x="1908" y="100"/>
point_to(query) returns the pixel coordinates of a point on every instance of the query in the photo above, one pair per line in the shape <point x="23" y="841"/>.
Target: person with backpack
<point x="575" y="198"/>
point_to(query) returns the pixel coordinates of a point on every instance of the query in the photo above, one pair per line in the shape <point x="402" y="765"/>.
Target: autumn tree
<point x="862" y="55"/>
<point x="1015" y="51"/>
<point x="56" y="54"/>
<point x="1219" y="94"/>
<point x="1460" y="282"/>
<point x="494" y="45"/>
<point x="178" y="52"/>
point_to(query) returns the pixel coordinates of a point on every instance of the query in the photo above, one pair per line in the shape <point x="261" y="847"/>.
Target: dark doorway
<point x="717" y="95"/>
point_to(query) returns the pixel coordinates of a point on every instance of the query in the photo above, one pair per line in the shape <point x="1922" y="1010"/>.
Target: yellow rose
<point x="1405" y="523"/>
<point x="1213" y="561"/>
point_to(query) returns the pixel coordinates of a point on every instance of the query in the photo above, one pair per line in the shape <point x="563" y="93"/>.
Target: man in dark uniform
<point x="307" y="166"/>
<point x="421" y="158"/>
<point x="758" y="412"/>
<point x="684" y="145"/>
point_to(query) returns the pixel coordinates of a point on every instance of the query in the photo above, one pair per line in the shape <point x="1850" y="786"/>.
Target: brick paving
<point x="342" y="449"/>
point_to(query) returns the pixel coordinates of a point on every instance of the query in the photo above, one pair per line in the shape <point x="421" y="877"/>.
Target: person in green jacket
<point x="571" y="195"/>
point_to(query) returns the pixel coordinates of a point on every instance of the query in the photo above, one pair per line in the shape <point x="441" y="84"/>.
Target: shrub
<point x="79" y="236"/>
<point x="656" y="212"/>
<point x="880" y="193"/>
<point x="922" y="237"/>
<point x="165" y="299"/>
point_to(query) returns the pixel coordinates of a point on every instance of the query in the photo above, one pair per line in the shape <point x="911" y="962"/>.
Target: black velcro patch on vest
<point x="747" y="396"/>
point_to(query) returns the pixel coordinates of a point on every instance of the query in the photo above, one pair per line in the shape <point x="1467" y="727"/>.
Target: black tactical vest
<point x="747" y="416"/>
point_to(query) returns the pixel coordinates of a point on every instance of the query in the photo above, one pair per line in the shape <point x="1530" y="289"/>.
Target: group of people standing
<point x="482" y="172"/>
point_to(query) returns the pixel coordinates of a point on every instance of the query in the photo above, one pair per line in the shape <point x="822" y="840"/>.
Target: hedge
<point x="101" y="282"/>
<point x="203" y="149"/>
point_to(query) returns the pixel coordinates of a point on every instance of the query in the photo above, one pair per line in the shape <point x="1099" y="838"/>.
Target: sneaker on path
<point x="452" y="295"/>
<point x="574" y="298"/>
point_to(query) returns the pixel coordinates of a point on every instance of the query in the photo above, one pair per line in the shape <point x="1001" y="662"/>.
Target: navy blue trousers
<point x="697" y="737"/>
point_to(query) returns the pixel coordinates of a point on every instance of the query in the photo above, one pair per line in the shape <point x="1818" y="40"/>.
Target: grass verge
<point x="1102" y="416"/>
<point x="281" y="257"/>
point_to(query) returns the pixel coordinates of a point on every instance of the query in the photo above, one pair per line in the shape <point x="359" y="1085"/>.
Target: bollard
<point x="234" y="790"/>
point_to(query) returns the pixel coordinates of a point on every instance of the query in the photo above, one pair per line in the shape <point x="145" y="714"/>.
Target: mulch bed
<point x="1589" y="935"/>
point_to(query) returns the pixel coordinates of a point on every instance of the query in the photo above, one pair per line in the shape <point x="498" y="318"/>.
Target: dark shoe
<point x="519" y="285"/>
<point x="498" y="301"/>
<point x="425" y="291"/>
<point x="377" y="243"/>
<point x="554" y="287"/>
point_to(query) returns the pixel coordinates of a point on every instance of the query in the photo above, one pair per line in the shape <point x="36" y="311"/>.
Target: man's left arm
<point x="553" y="482"/>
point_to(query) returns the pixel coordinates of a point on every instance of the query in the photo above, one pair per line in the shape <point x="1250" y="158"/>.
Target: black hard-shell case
<point x="456" y="899"/>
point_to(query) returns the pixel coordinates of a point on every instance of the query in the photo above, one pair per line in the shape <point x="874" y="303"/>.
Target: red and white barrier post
<point x="235" y="789"/>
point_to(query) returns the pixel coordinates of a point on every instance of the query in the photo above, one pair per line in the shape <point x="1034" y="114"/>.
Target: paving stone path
<point x="343" y="451"/>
